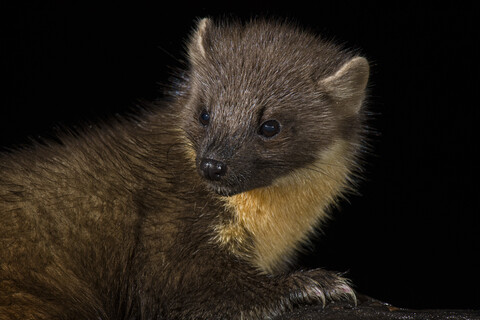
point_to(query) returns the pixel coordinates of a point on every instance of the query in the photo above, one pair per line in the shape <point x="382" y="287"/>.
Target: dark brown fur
<point x="115" y="222"/>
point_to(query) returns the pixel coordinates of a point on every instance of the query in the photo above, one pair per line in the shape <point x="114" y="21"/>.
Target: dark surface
<point x="370" y="309"/>
<point x="411" y="235"/>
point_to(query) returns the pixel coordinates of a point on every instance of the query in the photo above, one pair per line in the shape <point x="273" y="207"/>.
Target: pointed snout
<point x="212" y="169"/>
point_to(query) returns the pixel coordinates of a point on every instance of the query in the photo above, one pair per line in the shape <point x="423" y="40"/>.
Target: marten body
<point x="195" y="209"/>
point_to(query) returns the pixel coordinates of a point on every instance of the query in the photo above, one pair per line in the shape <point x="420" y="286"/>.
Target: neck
<point x="277" y="219"/>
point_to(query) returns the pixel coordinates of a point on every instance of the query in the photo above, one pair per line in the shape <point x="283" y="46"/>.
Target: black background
<point x="411" y="237"/>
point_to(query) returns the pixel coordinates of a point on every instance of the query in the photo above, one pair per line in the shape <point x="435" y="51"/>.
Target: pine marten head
<point x="274" y="117"/>
<point x="266" y="99"/>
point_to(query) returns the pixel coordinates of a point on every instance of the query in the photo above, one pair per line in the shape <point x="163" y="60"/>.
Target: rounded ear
<point x="347" y="86"/>
<point x="196" y="46"/>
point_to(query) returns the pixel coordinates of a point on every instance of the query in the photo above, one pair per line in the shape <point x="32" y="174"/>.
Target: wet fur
<point x="115" y="222"/>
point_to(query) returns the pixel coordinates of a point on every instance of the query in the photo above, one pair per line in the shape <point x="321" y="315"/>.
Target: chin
<point x="224" y="191"/>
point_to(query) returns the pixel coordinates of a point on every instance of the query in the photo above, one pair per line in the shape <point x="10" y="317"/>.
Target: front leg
<point x="279" y="294"/>
<point x="234" y="290"/>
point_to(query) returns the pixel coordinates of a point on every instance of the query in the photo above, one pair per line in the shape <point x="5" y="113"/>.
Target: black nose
<point x="213" y="169"/>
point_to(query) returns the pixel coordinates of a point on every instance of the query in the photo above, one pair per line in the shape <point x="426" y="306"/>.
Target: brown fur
<point x="115" y="222"/>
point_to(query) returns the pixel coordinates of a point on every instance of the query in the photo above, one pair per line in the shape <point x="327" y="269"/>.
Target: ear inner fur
<point x="197" y="49"/>
<point x="347" y="85"/>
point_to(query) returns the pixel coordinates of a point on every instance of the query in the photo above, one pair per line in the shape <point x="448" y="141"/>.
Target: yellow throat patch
<point x="281" y="216"/>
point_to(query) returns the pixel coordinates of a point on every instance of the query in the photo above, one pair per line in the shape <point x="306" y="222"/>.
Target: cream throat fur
<point x="280" y="217"/>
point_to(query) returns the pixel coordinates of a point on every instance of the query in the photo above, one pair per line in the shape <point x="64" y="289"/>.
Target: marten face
<point x="244" y="138"/>
<point x="256" y="109"/>
<point x="240" y="146"/>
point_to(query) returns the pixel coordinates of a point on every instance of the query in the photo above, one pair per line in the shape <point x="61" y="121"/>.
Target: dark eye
<point x="204" y="118"/>
<point x="269" y="128"/>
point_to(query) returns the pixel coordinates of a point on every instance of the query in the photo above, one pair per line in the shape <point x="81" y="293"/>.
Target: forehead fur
<point x="266" y="45"/>
<point x="275" y="59"/>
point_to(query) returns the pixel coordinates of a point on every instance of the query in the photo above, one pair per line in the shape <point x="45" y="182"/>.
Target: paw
<point x="323" y="286"/>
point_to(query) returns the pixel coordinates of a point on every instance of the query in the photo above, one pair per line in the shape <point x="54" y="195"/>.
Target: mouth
<point x="228" y="188"/>
<point x="223" y="190"/>
<point x="225" y="186"/>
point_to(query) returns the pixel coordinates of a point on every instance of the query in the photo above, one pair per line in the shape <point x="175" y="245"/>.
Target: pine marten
<point x="196" y="208"/>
